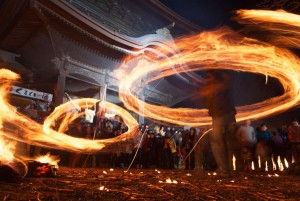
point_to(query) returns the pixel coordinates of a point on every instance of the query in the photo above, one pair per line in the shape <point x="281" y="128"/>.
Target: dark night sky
<point x="209" y="13"/>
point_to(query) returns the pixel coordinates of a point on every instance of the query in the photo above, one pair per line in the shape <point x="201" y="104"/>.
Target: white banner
<point x="31" y="93"/>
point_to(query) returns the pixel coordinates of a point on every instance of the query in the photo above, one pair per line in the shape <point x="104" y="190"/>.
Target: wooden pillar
<point x="59" y="64"/>
<point x="61" y="83"/>
<point x="103" y="90"/>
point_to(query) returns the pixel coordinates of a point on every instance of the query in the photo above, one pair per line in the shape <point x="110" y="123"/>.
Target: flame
<point x="282" y="24"/>
<point x="168" y="181"/>
<point x="219" y="49"/>
<point x="52" y="160"/>
<point x="6" y="151"/>
<point x="252" y="165"/>
<point x="286" y="163"/>
<point x="44" y="135"/>
<point x="273" y="163"/>
<point x="259" y="162"/>
<point x="234" y="162"/>
<point x="280" y="164"/>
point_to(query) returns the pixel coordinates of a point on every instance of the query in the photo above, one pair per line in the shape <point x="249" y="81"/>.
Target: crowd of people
<point x="267" y="145"/>
<point x="169" y="147"/>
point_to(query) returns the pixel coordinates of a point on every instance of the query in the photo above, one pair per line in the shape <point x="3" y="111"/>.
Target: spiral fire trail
<point x="34" y="133"/>
<point x="220" y="49"/>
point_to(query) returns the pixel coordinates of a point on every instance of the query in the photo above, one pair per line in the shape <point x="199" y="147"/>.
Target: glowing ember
<point x="252" y="165"/>
<point x="52" y="160"/>
<point x="168" y="181"/>
<point x="102" y="188"/>
<point x="104" y="172"/>
<point x="111" y="169"/>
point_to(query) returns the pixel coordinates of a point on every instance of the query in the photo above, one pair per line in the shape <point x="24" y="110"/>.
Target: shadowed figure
<point x="217" y="98"/>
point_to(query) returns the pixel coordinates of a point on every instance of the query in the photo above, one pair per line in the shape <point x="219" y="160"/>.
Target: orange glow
<point x="6" y="151"/>
<point x="285" y="26"/>
<point x="233" y="162"/>
<point x="168" y="180"/>
<point x="43" y="135"/>
<point x="273" y="163"/>
<point x="286" y="163"/>
<point x="267" y="166"/>
<point x="52" y="160"/>
<point x="280" y="164"/>
<point x="220" y="49"/>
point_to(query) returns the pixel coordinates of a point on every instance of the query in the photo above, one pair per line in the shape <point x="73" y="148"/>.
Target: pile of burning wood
<point x="43" y="166"/>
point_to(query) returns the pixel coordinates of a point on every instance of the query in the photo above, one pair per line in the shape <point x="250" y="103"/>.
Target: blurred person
<point x="286" y="150"/>
<point x="278" y="148"/>
<point x="173" y="150"/>
<point x="247" y="138"/>
<point x="116" y="123"/>
<point x="178" y="156"/>
<point x="151" y="148"/>
<point x="162" y="131"/>
<point x="189" y="144"/>
<point x="32" y="112"/>
<point x="216" y="93"/>
<point x="263" y="148"/>
<point x="167" y="153"/>
<point x="247" y="159"/>
<point x="294" y="138"/>
<point x="138" y="140"/>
